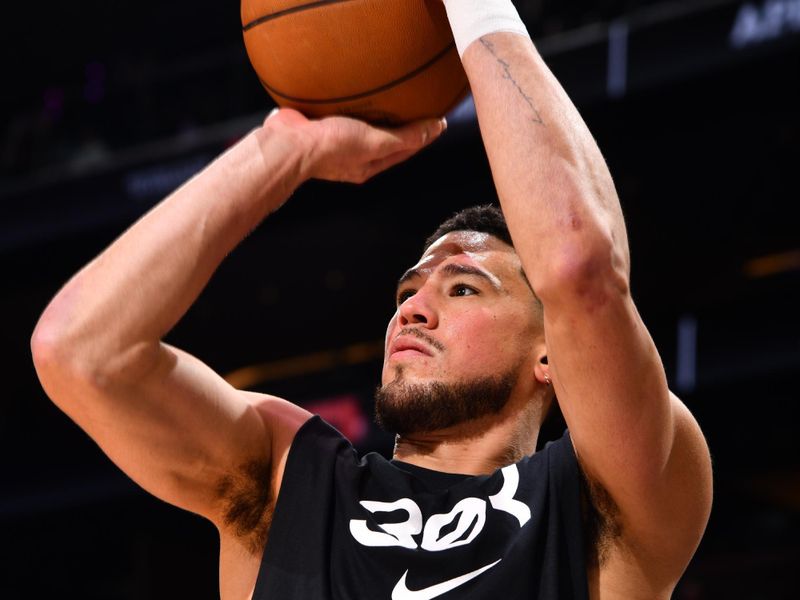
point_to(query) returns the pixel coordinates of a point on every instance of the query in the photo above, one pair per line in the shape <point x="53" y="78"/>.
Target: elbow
<point x="587" y="269"/>
<point x="51" y="362"/>
<point x="55" y="332"/>
<point x="68" y="357"/>
<point x="59" y="356"/>
<point x="52" y="356"/>
<point x="47" y="344"/>
<point x="585" y="253"/>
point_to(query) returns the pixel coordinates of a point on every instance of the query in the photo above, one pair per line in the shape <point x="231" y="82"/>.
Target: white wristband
<point x="471" y="19"/>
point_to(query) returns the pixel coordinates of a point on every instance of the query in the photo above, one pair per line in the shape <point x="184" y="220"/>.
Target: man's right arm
<point x="165" y="418"/>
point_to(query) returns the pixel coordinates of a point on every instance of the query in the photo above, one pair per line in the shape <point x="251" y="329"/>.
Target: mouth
<point x="405" y="347"/>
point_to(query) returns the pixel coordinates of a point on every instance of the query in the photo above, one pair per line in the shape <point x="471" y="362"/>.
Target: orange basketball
<point x="384" y="61"/>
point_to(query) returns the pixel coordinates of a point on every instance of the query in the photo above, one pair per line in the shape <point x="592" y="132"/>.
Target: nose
<point x="419" y="309"/>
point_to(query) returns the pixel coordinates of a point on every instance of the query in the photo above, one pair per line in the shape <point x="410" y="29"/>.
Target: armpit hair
<point x="248" y="503"/>
<point x="601" y="520"/>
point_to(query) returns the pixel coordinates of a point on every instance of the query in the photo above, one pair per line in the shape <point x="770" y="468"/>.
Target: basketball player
<point x="489" y="328"/>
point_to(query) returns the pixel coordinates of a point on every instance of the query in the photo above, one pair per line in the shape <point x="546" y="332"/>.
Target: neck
<point x="478" y="447"/>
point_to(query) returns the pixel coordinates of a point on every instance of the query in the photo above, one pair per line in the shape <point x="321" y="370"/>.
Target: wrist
<point x="284" y="154"/>
<point x="289" y="135"/>
<point x="473" y="19"/>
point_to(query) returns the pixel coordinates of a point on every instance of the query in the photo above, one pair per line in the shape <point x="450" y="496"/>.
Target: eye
<point x="461" y="289"/>
<point x="404" y="295"/>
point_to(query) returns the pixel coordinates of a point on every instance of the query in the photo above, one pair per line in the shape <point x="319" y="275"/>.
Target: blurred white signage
<point x="769" y="21"/>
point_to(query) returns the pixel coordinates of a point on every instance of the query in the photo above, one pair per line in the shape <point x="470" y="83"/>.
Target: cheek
<point x="501" y="338"/>
<point x="483" y="340"/>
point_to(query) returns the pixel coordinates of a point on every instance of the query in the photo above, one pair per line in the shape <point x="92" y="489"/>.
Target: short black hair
<point x="486" y="218"/>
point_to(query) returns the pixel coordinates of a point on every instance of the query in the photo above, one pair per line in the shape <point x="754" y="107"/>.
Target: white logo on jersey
<point x="397" y="534"/>
<point x="469" y="512"/>
<point x="401" y="591"/>
<point x="504" y="499"/>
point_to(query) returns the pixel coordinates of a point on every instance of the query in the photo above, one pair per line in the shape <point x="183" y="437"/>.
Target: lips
<point x="409" y="347"/>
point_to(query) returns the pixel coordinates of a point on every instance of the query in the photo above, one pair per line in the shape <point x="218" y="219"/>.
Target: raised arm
<point x="165" y="418"/>
<point x="633" y="438"/>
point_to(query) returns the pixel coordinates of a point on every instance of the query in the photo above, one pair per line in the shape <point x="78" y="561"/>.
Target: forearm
<point x="109" y="319"/>
<point x="553" y="183"/>
<point x="115" y="310"/>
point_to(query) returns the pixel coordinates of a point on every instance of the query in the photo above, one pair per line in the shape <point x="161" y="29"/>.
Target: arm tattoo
<point x="537" y="118"/>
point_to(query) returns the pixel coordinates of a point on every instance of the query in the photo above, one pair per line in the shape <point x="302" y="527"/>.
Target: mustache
<point x="430" y="340"/>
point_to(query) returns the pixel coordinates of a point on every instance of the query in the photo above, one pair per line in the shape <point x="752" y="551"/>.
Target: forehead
<point x="480" y="249"/>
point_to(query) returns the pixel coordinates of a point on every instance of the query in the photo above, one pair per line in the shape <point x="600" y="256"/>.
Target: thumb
<point x="420" y="133"/>
<point x="432" y="129"/>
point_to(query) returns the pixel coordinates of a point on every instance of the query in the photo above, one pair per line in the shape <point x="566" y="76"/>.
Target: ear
<point x="542" y="369"/>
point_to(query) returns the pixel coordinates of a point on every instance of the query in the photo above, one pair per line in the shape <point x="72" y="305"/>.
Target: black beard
<point x="405" y="408"/>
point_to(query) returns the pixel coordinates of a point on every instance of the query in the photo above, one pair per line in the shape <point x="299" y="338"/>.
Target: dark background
<point x="107" y="106"/>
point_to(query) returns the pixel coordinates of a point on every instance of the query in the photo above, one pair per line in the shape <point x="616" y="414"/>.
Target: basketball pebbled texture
<point x="384" y="61"/>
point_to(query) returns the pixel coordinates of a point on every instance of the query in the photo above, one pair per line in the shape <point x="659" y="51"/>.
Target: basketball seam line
<point x="376" y="90"/>
<point x="289" y="11"/>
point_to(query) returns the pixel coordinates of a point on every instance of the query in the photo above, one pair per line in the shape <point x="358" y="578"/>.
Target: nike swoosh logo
<point x="401" y="591"/>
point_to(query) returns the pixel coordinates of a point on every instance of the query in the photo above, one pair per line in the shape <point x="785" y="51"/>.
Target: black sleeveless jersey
<point x="346" y="528"/>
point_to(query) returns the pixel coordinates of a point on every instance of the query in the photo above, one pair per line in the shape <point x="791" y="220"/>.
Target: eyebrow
<point x="454" y="270"/>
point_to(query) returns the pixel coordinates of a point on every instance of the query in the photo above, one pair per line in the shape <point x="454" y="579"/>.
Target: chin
<point x="406" y="375"/>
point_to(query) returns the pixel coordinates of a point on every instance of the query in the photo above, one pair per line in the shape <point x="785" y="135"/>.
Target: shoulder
<point x="282" y="420"/>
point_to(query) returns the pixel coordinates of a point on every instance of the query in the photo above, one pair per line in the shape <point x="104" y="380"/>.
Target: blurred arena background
<point x="108" y="106"/>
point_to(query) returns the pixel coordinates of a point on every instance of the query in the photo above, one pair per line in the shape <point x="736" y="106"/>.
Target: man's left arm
<point x="631" y="435"/>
